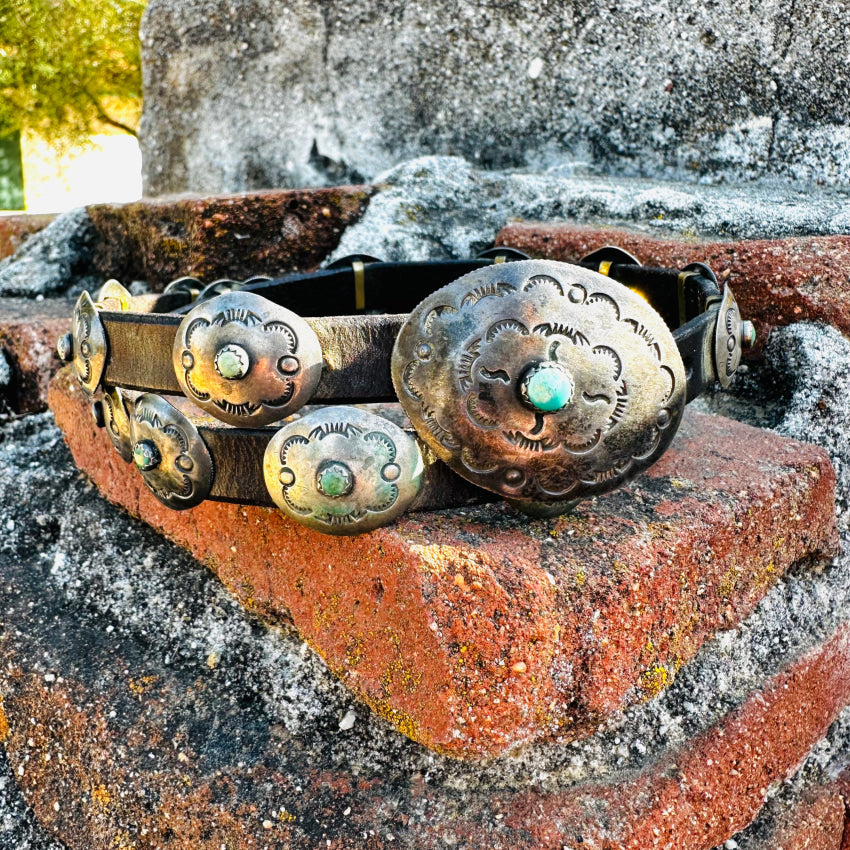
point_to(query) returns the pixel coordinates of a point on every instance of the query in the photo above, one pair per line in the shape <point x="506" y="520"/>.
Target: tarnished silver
<point x="748" y="334"/>
<point x="117" y="422"/>
<point x="114" y="295"/>
<point x="605" y="407"/>
<point x="342" y="470"/>
<point x="89" y="344"/>
<point x="728" y="338"/>
<point x="65" y="347"/>
<point x="169" y="453"/>
<point x="246" y="360"/>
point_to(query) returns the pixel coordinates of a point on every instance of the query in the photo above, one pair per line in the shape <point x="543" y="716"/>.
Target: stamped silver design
<point x="169" y="453"/>
<point x="728" y="338"/>
<point x="245" y="360"/>
<point x="342" y="470"/>
<point x="89" y="344"/>
<point x="543" y="382"/>
<point x="117" y="422"/>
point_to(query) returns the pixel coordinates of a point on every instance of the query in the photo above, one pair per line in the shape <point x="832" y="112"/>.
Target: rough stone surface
<point x="477" y="632"/>
<point x="775" y="281"/>
<point x="29" y="330"/>
<point x="16" y="229"/>
<point x="55" y="259"/>
<point x="173" y="718"/>
<point x="435" y="207"/>
<point x="253" y="96"/>
<point x="238" y="236"/>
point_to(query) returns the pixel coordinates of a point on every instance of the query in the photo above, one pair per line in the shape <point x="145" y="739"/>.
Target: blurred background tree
<point x="68" y="68"/>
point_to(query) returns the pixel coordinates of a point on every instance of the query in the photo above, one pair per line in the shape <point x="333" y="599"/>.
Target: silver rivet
<point x="287" y="477"/>
<point x="85" y="348"/>
<point x="577" y="294"/>
<point x="391" y="472"/>
<point x="423" y="352"/>
<point x="184" y="462"/>
<point x="65" y="347"/>
<point x="288" y="365"/>
<point x="514" y="477"/>
<point x="187" y="360"/>
<point x="730" y="343"/>
<point x="663" y="418"/>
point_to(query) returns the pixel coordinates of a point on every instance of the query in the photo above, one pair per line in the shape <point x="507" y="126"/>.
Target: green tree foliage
<point x="68" y="66"/>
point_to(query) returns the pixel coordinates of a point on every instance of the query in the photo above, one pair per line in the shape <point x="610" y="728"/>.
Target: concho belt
<point x="541" y="382"/>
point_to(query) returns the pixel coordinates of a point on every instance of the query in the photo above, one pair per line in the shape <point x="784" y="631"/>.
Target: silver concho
<point x="728" y="341"/>
<point x="246" y="360"/>
<point x="169" y="453"/>
<point x="89" y="344"/>
<point x="342" y="470"/>
<point x="540" y="381"/>
<point x="117" y="422"/>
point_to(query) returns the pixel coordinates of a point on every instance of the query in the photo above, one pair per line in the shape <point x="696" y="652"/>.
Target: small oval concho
<point x="88" y="344"/>
<point x="170" y="454"/>
<point x="543" y="382"/>
<point x="246" y="360"/>
<point x="342" y="470"/>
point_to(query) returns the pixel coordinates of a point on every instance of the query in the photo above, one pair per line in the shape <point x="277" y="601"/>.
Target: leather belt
<point x="538" y="381"/>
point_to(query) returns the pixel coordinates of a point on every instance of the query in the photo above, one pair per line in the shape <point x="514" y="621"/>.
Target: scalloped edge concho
<point x="607" y="381"/>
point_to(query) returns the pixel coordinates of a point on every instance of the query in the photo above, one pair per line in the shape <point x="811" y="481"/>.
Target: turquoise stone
<point x="231" y="362"/>
<point x="548" y="388"/>
<point x="146" y="455"/>
<point x="335" y="479"/>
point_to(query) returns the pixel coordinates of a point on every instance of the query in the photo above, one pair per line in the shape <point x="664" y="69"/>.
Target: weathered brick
<point x="776" y="281"/>
<point x="14" y="230"/>
<point x="234" y="236"/>
<point x="28" y="333"/>
<point x="477" y="631"/>
<point x="119" y="750"/>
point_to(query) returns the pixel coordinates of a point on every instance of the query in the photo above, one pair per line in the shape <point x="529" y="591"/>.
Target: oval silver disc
<point x="89" y="344"/>
<point x="117" y="422"/>
<point x="342" y="470"/>
<point x="170" y="454"/>
<point x="540" y="381"/>
<point x="727" y="338"/>
<point x="246" y="360"/>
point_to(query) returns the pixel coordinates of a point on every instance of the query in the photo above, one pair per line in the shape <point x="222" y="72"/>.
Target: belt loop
<point x="605" y="267"/>
<point x="359" y="269"/>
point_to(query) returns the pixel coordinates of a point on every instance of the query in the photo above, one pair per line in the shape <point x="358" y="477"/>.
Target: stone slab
<point x="775" y="281"/>
<point x="478" y="631"/>
<point x="236" y="236"/>
<point x="29" y="330"/>
<point x="241" y="97"/>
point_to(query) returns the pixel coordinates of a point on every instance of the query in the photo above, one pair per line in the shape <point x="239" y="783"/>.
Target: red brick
<point x="430" y="621"/>
<point x="15" y="229"/>
<point x="815" y="822"/>
<point x="112" y="793"/>
<point x="235" y="236"/>
<point x="776" y="281"/>
<point x="28" y="334"/>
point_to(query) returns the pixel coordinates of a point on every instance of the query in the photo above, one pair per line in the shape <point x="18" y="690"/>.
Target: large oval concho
<point x="540" y="381"/>
<point x="245" y="360"/>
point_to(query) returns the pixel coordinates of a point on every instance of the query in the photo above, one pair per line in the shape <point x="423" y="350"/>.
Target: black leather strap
<point x="358" y="343"/>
